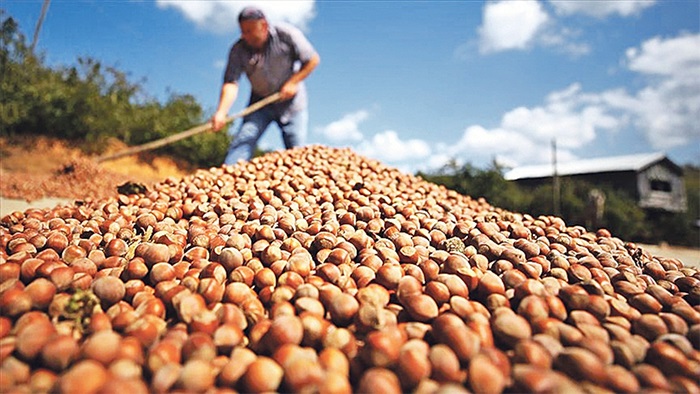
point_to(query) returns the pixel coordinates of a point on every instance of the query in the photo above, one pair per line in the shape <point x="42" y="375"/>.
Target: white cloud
<point x="479" y="142"/>
<point x="525" y="135"/>
<point x="346" y="128"/>
<point x="569" y="116"/>
<point x="675" y="57"/>
<point x="667" y="110"/>
<point x="221" y="16"/>
<point x="437" y="160"/>
<point x="601" y="9"/>
<point x="522" y="24"/>
<point x="510" y="25"/>
<point x="387" y="147"/>
<point x="564" y="39"/>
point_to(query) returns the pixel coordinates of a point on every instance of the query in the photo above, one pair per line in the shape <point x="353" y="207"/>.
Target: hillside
<point x="37" y="167"/>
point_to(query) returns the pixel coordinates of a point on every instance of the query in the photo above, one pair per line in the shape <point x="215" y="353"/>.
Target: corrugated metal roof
<point x="588" y="166"/>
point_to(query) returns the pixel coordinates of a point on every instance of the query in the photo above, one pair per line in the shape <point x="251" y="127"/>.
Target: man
<point x="275" y="58"/>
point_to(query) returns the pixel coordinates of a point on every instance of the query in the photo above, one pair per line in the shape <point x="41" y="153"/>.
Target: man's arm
<point x="289" y="89"/>
<point x="229" y="91"/>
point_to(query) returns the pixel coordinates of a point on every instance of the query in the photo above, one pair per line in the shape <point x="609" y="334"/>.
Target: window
<point x="660" y="186"/>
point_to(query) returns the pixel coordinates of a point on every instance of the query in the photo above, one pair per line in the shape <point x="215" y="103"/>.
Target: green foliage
<point x="624" y="217"/>
<point x="90" y="104"/>
<point x="17" y="67"/>
<point x="179" y="113"/>
<point x="488" y="184"/>
<point x="684" y="228"/>
<point x="621" y="215"/>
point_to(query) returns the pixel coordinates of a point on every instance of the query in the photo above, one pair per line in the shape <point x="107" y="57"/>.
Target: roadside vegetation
<point x="90" y="104"/>
<point x="621" y="215"/>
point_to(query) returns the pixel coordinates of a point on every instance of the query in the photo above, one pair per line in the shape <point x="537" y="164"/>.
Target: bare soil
<point x="34" y="167"/>
<point x="689" y="256"/>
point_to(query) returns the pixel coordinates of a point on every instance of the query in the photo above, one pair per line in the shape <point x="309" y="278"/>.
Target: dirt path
<point x="689" y="256"/>
<point x="40" y="167"/>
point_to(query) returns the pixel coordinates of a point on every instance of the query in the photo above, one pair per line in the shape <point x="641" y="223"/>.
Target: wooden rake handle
<point x="189" y="132"/>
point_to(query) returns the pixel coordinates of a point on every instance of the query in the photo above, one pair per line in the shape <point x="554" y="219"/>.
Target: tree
<point x="489" y="184"/>
<point x="621" y="214"/>
<point x="90" y="103"/>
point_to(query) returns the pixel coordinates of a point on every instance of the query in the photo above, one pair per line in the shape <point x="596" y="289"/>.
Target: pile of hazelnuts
<point x="317" y="270"/>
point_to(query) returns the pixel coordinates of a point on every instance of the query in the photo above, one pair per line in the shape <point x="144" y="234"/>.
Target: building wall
<point x="661" y="188"/>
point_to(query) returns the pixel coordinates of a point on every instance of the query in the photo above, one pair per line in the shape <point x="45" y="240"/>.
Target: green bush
<point x="90" y="104"/>
<point x="621" y="215"/>
<point x="476" y="183"/>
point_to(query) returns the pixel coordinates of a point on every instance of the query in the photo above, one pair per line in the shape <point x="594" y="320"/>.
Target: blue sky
<point x="417" y="83"/>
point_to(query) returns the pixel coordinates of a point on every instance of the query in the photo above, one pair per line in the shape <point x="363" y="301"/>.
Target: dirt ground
<point x="689" y="256"/>
<point x="42" y="172"/>
<point x="40" y="167"/>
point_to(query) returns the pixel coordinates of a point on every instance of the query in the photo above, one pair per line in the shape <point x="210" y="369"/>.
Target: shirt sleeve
<point x="234" y="67"/>
<point x="303" y="48"/>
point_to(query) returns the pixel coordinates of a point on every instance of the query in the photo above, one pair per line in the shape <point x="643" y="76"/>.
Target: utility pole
<point x="44" y="9"/>
<point x="556" y="187"/>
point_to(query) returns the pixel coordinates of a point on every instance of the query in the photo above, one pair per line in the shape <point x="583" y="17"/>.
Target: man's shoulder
<point x="284" y="29"/>
<point x="239" y="49"/>
<point x="284" y="26"/>
<point x="238" y="45"/>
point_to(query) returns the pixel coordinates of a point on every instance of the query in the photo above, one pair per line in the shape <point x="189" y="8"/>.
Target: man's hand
<point x="218" y="121"/>
<point x="229" y="91"/>
<point x="288" y="90"/>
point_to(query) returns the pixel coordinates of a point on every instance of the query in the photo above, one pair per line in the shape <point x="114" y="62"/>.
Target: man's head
<point x="254" y="29"/>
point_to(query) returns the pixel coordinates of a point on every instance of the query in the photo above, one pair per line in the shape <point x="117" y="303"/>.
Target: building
<point x="654" y="180"/>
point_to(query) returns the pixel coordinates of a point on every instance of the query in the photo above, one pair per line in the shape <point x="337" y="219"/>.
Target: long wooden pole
<point x="37" y="29"/>
<point x="189" y="132"/>
<point x="556" y="185"/>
